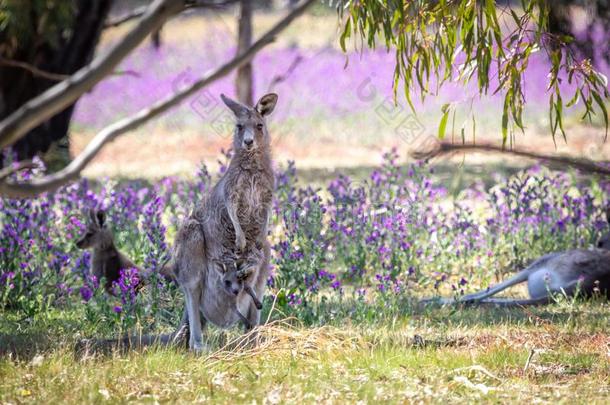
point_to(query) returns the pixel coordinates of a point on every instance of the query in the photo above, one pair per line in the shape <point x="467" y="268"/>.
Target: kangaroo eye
<point x="259" y="127"/>
<point x="240" y="127"/>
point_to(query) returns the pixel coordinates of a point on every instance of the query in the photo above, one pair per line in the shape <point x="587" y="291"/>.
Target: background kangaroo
<point x="577" y="271"/>
<point x="232" y="217"/>
<point x="106" y="260"/>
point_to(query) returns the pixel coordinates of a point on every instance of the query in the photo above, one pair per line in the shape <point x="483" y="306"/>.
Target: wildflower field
<point x="350" y="260"/>
<point x="354" y="251"/>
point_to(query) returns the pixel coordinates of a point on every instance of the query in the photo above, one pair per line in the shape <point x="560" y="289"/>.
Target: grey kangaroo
<point x="233" y="217"/>
<point x="242" y="268"/>
<point x="578" y="271"/>
<point x="106" y="259"/>
<point x="234" y="282"/>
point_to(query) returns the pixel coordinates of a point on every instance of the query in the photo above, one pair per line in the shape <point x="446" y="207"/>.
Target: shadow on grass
<point x="23" y="339"/>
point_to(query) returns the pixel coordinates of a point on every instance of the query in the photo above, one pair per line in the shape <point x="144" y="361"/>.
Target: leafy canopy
<point x="468" y="40"/>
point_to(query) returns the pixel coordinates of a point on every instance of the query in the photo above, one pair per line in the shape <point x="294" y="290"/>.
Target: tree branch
<point x="444" y="148"/>
<point x="63" y="94"/>
<point x="139" y="11"/>
<point x="132" y="15"/>
<point x="33" y="69"/>
<point x="108" y="134"/>
<point x="17" y="167"/>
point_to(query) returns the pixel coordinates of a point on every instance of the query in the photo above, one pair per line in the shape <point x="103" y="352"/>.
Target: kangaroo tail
<point x="514" y="302"/>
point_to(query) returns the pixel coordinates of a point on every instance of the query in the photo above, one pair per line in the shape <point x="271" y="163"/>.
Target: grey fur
<point x="578" y="271"/>
<point x="106" y="259"/>
<point x="232" y="218"/>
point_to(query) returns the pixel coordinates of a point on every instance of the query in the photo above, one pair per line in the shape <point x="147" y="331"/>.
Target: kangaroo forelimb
<point x="252" y="294"/>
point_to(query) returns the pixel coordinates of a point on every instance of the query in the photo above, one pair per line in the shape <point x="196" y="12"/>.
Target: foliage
<point x="463" y="40"/>
<point x="375" y="243"/>
<point x="17" y="29"/>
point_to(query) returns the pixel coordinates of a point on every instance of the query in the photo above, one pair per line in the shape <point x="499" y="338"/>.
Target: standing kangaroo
<point x="106" y="260"/>
<point x="233" y="217"/>
<point x="577" y="271"/>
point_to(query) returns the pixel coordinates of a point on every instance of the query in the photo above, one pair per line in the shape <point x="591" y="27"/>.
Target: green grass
<point x="430" y="355"/>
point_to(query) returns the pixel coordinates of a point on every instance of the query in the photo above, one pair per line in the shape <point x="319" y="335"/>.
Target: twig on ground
<point x="528" y="361"/>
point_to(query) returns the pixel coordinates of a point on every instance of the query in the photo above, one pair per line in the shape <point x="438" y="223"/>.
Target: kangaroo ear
<point x="100" y="216"/>
<point x="238" y="108"/>
<point x="266" y="104"/>
<point x="91" y="216"/>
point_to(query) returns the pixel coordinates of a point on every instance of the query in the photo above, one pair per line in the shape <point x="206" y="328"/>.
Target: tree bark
<point x="63" y="94"/>
<point x="244" y="87"/>
<point x="70" y="53"/>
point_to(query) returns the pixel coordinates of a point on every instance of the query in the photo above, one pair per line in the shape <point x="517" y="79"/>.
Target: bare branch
<point x="444" y="148"/>
<point x="132" y="15"/>
<point x="108" y="134"/>
<point x="139" y="11"/>
<point x="56" y="76"/>
<point x="17" y="167"/>
<point x="279" y="78"/>
<point x="33" y="69"/>
<point x="63" y="94"/>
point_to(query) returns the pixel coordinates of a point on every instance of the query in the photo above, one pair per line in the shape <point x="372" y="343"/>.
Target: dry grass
<point x="437" y="356"/>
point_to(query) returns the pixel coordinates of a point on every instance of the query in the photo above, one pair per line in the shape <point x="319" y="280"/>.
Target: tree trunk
<point x="64" y="54"/>
<point x="244" y="40"/>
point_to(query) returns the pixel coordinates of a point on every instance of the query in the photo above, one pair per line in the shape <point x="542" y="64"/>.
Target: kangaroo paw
<point x="252" y="294"/>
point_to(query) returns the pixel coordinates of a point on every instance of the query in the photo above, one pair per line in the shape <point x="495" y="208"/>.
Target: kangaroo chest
<point x="105" y="264"/>
<point x="251" y="197"/>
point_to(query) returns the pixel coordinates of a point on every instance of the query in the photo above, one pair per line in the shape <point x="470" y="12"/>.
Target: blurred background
<point x="336" y="109"/>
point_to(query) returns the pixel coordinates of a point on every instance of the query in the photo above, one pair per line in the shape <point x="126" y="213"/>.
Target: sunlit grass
<point x="433" y="355"/>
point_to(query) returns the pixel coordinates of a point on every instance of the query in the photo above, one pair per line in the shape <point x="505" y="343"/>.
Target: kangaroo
<point x="578" y="271"/>
<point x="234" y="283"/>
<point x="242" y="269"/>
<point x="106" y="260"/>
<point x="233" y="216"/>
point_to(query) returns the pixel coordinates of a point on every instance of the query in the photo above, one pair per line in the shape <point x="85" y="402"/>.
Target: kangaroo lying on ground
<point x="578" y="271"/>
<point x="106" y="260"/>
<point x="232" y="218"/>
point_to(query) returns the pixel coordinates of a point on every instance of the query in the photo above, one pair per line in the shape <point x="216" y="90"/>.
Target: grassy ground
<point x="555" y="354"/>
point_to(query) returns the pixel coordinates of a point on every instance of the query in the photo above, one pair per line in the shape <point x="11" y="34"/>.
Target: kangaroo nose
<point x="235" y="291"/>
<point x="248" y="142"/>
